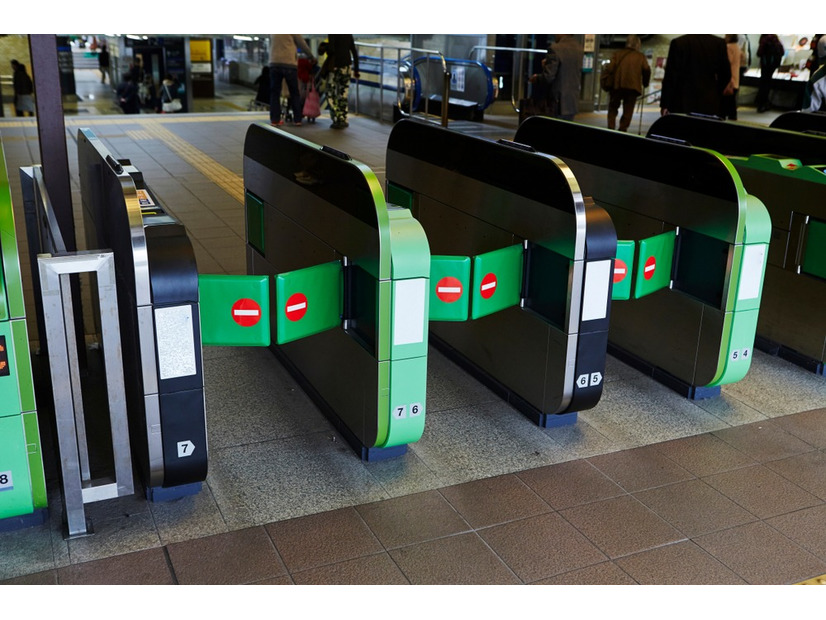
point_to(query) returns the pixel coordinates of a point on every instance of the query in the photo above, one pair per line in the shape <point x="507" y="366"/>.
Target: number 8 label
<point x="6" y="482"/>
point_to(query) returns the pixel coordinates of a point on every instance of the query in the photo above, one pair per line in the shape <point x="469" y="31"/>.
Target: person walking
<point x="697" y="72"/>
<point x="631" y="74"/>
<point x="284" y="68"/>
<point x="103" y="63"/>
<point x="770" y="51"/>
<point x="127" y="95"/>
<point x="23" y="90"/>
<point x="342" y="63"/>
<point x="561" y="75"/>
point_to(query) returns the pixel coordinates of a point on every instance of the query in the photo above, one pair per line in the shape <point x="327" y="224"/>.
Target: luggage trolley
<point x="157" y="291"/>
<point x="22" y="479"/>
<point x="691" y="255"/>
<point x="349" y="301"/>
<point x="787" y="171"/>
<point x="521" y="272"/>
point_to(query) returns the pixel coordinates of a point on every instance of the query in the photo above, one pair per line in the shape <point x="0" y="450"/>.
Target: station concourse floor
<point x="646" y="488"/>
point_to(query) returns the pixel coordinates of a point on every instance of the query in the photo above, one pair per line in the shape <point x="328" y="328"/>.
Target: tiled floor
<point x="646" y="488"/>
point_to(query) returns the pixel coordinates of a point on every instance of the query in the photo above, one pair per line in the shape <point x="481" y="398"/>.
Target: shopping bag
<point x="312" y="108"/>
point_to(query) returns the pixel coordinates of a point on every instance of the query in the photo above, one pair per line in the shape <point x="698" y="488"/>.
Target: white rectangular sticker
<point x="595" y="297"/>
<point x="751" y="271"/>
<point x="6" y="481"/>
<point x="175" y="338"/>
<point x="409" y="311"/>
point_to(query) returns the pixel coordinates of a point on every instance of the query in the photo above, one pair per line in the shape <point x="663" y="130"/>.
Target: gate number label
<point x="400" y="412"/>
<point x="740" y="354"/>
<point x="185" y="448"/>
<point x="6" y="481"/>
<point x="589" y="379"/>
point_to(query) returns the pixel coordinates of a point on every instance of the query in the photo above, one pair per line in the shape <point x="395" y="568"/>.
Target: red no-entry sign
<point x="296" y="306"/>
<point x="620" y="270"/>
<point x="650" y="268"/>
<point x="246" y="312"/>
<point x="488" y="286"/>
<point x="449" y="289"/>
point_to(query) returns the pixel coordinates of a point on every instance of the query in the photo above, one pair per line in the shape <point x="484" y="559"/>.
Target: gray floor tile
<point x="188" y="517"/>
<point x="118" y="535"/>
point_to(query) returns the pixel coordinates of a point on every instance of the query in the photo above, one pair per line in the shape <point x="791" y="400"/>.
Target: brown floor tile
<point x="461" y="559"/>
<point x="494" y="500"/>
<point x="704" y="455"/>
<point x="810" y="426"/>
<point x="621" y="526"/>
<point x="605" y="574"/>
<point x="570" y="484"/>
<point x="682" y="563"/>
<point x="541" y="546"/>
<point x="761" y="491"/>
<point x="805" y="527"/>
<point x="45" y="578"/>
<point x="640" y="468"/>
<point x="376" y="569"/>
<point x="763" y="441"/>
<point x="761" y="555"/>
<point x="233" y="558"/>
<point x="413" y="518"/>
<point x="324" y="538"/>
<point x="808" y="471"/>
<point x="148" y="567"/>
<point x="694" y="508"/>
<point x="281" y="580"/>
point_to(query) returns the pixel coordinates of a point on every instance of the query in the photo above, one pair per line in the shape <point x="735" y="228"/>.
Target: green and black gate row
<point x="805" y="122"/>
<point x="22" y="479"/>
<point x="521" y="270"/>
<point x="350" y="296"/>
<point x="786" y="170"/>
<point x="699" y="241"/>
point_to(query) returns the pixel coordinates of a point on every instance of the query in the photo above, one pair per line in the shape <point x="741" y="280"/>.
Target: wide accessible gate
<point x="520" y="286"/>
<point x="349" y="303"/>
<point x="691" y="254"/>
<point x="787" y="171"/>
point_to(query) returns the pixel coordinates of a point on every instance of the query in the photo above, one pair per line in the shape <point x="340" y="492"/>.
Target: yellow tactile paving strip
<point x="814" y="581"/>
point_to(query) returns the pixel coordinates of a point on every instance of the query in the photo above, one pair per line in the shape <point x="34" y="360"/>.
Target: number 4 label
<point x="6" y="481"/>
<point x="740" y="354"/>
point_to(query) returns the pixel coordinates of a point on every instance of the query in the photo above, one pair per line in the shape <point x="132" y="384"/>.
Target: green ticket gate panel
<point x="538" y="271"/>
<point x="497" y="281"/>
<point x="786" y="170"/>
<point x="653" y="266"/>
<point x="234" y="310"/>
<point x="449" y="288"/>
<point x="691" y="334"/>
<point x="22" y="478"/>
<point x="308" y="301"/>
<point x="320" y="220"/>
<point x="623" y="270"/>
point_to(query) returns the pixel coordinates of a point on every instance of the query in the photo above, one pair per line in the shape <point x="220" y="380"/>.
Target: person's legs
<point x="276" y="76"/>
<point x="291" y="77"/>
<point x="629" y="101"/>
<point x="613" y="108"/>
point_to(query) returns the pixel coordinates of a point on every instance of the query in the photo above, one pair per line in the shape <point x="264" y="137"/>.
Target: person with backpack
<point x="23" y="90"/>
<point x="770" y="51"/>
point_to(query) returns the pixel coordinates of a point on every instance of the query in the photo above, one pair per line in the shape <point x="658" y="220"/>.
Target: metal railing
<point x="404" y="92"/>
<point x="519" y="73"/>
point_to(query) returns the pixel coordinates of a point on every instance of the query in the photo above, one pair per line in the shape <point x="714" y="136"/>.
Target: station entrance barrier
<point x="700" y="244"/>
<point x="786" y="170"/>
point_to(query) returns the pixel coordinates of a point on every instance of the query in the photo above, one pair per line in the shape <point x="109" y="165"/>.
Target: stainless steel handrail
<point x="517" y="70"/>
<point x="399" y="85"/>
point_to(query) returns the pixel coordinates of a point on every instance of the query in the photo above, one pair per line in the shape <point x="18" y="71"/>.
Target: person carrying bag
<point x="625" y="79"/>
<point x="170" y="103"/>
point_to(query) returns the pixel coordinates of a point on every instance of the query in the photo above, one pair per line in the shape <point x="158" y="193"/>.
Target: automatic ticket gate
<point x="22" y="479"/>
<point x="787" y="171"/>
<point x="349" y="303"/>
<point x="806" y="122"/>
<point x="691" y="257"/>
<point x="157" y="301"/>
<point x="520" y="285"/>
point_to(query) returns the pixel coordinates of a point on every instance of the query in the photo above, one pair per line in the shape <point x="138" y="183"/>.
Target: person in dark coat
<point x="697" y="73"/>
<point x="127" y="95"/>
<point x="770" y="51"/>
<point x="103" y="63"/>
<point x="561" y="76"/>
<point x="23" y="90"/>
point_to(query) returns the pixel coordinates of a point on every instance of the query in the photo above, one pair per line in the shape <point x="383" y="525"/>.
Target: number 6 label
<point x="416" y="409"/>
